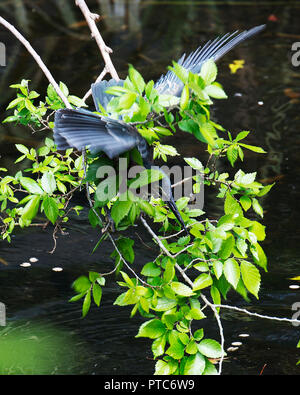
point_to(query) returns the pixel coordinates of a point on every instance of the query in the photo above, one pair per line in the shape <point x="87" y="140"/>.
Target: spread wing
<point x="83" y="129"/>
<point x="171" y="85"/>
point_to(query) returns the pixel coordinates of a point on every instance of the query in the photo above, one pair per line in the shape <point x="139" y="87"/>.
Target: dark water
<point x="149" y="34"/>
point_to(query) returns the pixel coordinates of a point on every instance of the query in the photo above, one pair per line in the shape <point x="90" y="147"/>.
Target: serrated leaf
<point x="231" y="271"/>
<point x="31" y="208"/>
<point x="209" y="71"/>
<point x="50" y="208"/>
<point x="245" y="202"/>
<point x="194" y="163"/>
<point x="251" y="277"/>
<point x="22" y="148"/>
<point x="119" y="210"/>
<point x="181" y="289"/>
<point x="227" y="247"/>
<point x="48" y="183"/>
<point x="194" y="364"/>
<point x="151" y="329"/>
<point x="257" y="207"/>
<point x="210" y="348"/>
<point x="232" y="154"/>
<point x="216" y="92"/>
<point x="31" y="186"/>
<point x="202" y="281"/>
<point x="259" y="256"/>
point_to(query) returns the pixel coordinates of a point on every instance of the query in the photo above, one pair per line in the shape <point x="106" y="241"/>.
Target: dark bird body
<point x="80" y="129"/>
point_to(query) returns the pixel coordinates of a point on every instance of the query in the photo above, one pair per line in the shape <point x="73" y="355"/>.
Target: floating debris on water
<point x="57" y="269"/>
<point x="260" y="103"/>
<point x="294" y="286"/>
<point x="232" y="349"/>
<point x="33" y="259"/>
<point x="244" y="335"/>
<point x="236" y="344"/>
<point x="25" y="264"/>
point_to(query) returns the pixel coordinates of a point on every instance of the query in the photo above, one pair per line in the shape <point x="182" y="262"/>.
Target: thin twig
<point x="37" y="58"/>
<point x="100" y="78"/>
<point x="104" y="49"/>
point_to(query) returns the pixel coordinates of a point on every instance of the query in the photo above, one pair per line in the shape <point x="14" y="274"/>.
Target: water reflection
<point x="149" y="34"/>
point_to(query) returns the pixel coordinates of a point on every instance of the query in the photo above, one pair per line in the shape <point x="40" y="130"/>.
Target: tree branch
<point x="212" y="305"/>
<point x="37" y="58"/>
<point x="104" y="49"/>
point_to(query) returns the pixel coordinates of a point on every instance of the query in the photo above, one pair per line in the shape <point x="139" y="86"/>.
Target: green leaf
<point x="86" y="304"/>
<point x="164" y="304"/>
<point x="253" y="148"/>
<point x="241" y="135"/>
<point x="31" y="208"/>
<point x="251" y="277"/>
<point x="194" y="365"/>
<point x="231" y="206"/>
<point x="152" y="329"/>
<point x="194" y="163"/>
<point x="258" y="229"/>
<point x="15" y="102"/>
<point x="50" y="208"/>
<point x="119" y="210"/>
<point x="259" y="256"/>
<point x="31" y="186"/>
<point x="216" y="92"/>
<point x="22" y="148"/>
<point x="227" y="247"/>
<point x="162" y="368"/>
<point x="81" y="284"/>
<point x="210" y="348"/>
<point x="30" y="106"/>
<point x="184" y="99"/>
<point x="158" y="346"/>
<point x="151" y="270"/>
<point x="127" y="100"/>
<point x="257" y="207"/>
<point x="169" y="272"/>
<point x="48" y="183"/>
<point x="97" y="294"/>
<point x="202" y="281"/>
<point x="218" y="268"/>
<point x="208" y="132"/>
<point x="181" y="289"/>
<point x="245" y="202"/>
<point x="136" y="79"/>
<point x="146" y="207"/>
<point x="209" y="72"/>
<point x="231" y="271"/>
<point x="76" y="101"/>
<point x="232" y="154"/>
<point x="125" y="245"/>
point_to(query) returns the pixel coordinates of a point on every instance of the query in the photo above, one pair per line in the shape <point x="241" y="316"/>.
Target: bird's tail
<point x="172" y="205"/>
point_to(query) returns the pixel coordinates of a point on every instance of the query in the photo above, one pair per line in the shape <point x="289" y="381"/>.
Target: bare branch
<point x="37" y="58"/>
<point x="104" y="49"/>
<point x="100" y="78"/>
